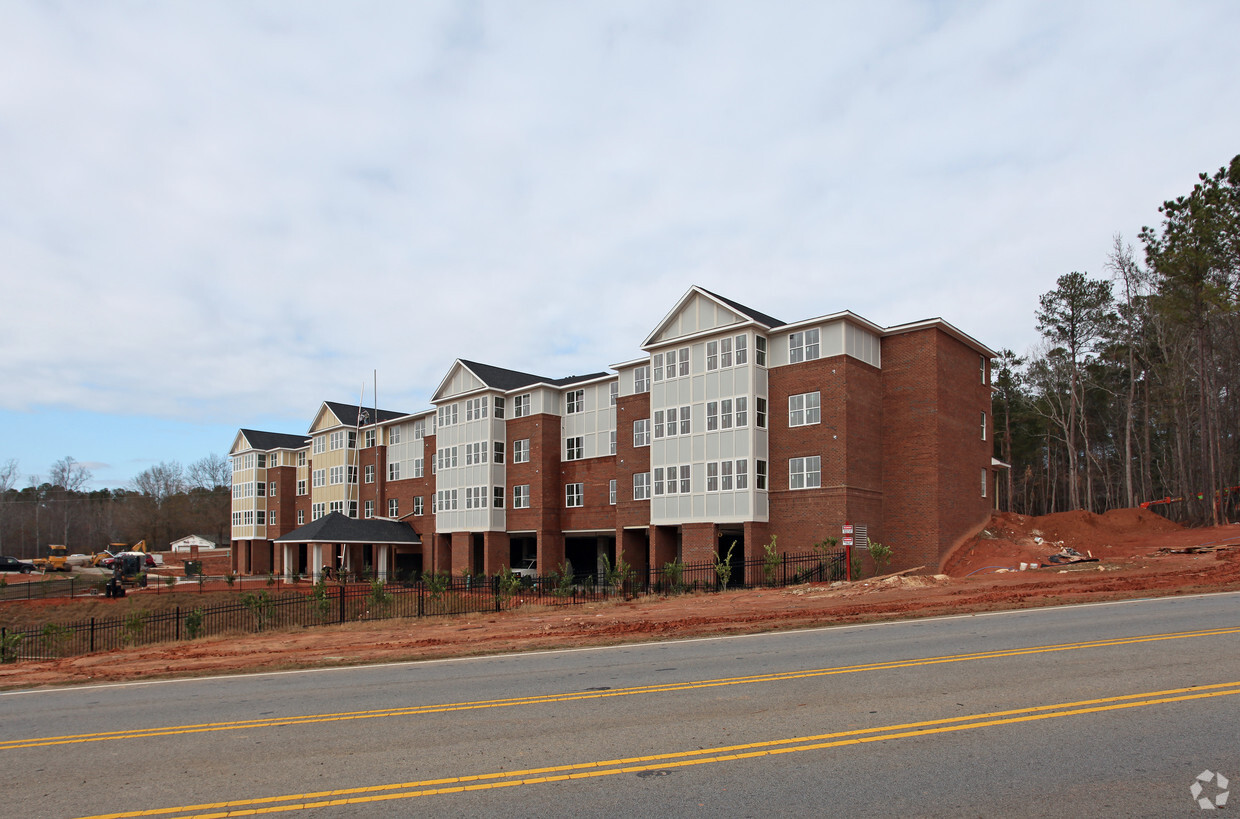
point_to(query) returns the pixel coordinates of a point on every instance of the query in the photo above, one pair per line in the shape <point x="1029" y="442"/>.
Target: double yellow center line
<point x="309" y="719"/>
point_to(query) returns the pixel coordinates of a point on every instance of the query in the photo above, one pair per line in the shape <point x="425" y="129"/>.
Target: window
<point x="671" y="422"/>
<point x="337" y="475"/>
<point x="684" y="420"/>
<point x="521" y="496"/>
<point x="369" y="509"/>
<point x="351" y="475"/>
<point x="641" y="432"/>
<point x="521" y="451"/>
<point x="759" y="475"/>
<point x="336" y="506"/>
<point x="672" y="479"/>
<point x="499" y="407"/>
<point x="671" y="364"/>
<point x="641" y="486"/>
<point x="641" y="379"/>
<point x="725" y="352"/>
<point x="419" y="429"/>
<point x="499" y="452"/>
<point x="417" y="506"/>
<point x="712" y="355"/>
<point x="353" y="509"/>
<point x="393" y="507"/>
<point x="658" y="366"/>
<point x="261" y="488"/>
<point x="574" y="495"/>
<point x="759" y="350"/>
<point x="320" y="444"/>
<point x="394" y="435"/>
<point x="476" y="453"/>
<point x="301" y="458"/>
<point x="803" y="346"/>
<point x="684" y="480"/>
<point x="803" y="473"/>
<point x="658" y="480"/>
<point x="804" y="409"/>
<point x="273" y="460"/>
<point x="982" y="363"/>
<point x="725" y="413"/>
<point x="684" y="361"/>
<point x="612" y="442"/>
<point x="613" y="391"/>
<point x="301" y="517"/>
<point x="394" y="471"/>
<point x="759" y="420"/>
<point x="301" y="487"/>
<point x="712" y="415"/>
<point x="725" y="476"/>
<point x="419" y="467"/>
<point x="317" y="510"/>
<point x="574" y="447"/>
<point x="476" y="409"/>
<point x="497" y="497"/>
<point x="521" y="406"/>
<point x="574" y="401"/>
<point x="368" y="439"/>
<point x="473" y="497"/>
<point x="742" y="415"/>
<point x="983" y="425"/>
<point x="448" y="415"/>
<point x="370" y="473"/>
<point x="712" y="477"/>
<point x="260" y="517"/>
<point x="337" y="439"/>
<point x="611" y="492"/>
<point x="658" y="424"/>
<point x="983" y="482"/>
<point x="742" y="345"/>
<point x="318" y="478"/>
<point x="247" y="518"/>
<point x="352" y="442"/>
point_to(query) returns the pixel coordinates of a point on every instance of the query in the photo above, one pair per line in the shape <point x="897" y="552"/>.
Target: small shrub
<point x="230" y="578"/>
<point x="135" y="624"/>
<point x="881" y="555"/>
<point x="8" y="647"/>
<point x="379" y="597"/>
<point x="723" y="567"/>
<point x="616" y="576"/>
<point x="770" y="562"/>
<point x="564" y="580"/>
<point x="271" y="579"/>
<point x="322" y="603"/>
<point x="55" y="636"/>
<point x="436" y="584"/>
<point x="260" y="605"/>
<point x="202" y="581"/>
<point x="507" y="585"/>
<point x="673" y="576"/>
<point x="169" y="581"/>
<point x="195" y="624"/>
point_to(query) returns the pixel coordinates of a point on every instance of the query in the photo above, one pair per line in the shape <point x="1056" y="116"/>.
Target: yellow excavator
<point x="56" y="561"/>
<point x="114" y="549"/>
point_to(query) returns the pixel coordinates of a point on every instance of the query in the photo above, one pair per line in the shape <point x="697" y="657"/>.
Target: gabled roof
<point x="503" y="380"/>
<point x="273" y="440"/>
<point x="348" y="414"/>
<point x="719" y="313"/>
<point x="339" y="528"/>
<point x="761" y="318"/>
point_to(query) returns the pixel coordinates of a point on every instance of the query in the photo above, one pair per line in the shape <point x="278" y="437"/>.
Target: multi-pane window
<point x="742" y="415"/>
<point x="725" y="352"/>
<point x="260" y="517"/>
<point x="337" y="439"/>
<point x="394" y="471"/>
<point x="983" y="425"/>
<point x="353" y="509"/>
<point x="499" y="452"/>
<point x="317" y="510"/>
<point x="671" y="364"/>
<point x="521" y="451"/>
<point x="574" y="401"/>
<point x="658" y="423"/>
<point x="370" y="473"/>
<point x="476" y="409"/>
<point x="574" y="495"/>
<point x="641" y="432"/>
<point x="476" y="453"/>
<point x="725" y="476"/>
<point x="521" y="496"/>
<point x="320" y="444"/>
<point x="449" y="415"/>
<point x="261" y="486"/>
<point x="803" y="346"/>
<point x="521" y="406"/>
<point x="684" y="480"/>
<point x="301" y="458"/>
<point x="673" y="482"/>
<point x="759" y="350"/>
<point x="742" y="350"/>
<point x="301" y="487"/>
<point x="712" y="355"/>
<point x="611" y="492"/>
<point x="419" y="429"/>
<point x="725" y="413"/>
<point x="301" y="517"/>
<point x="393" y="435"/>
<point x="419" y="467"/>
<point x="336" y="506"/>
<point x="641" y="379"/>
<point x="657" y="482"/>
<point x="759" y="407"/>
<point x="352" y="442"/>
<point x="641" y="486"/>
<point x="337" y="475"/>
<point x="613" y="392"/>
<point x="273" y="460"/>
<point x="671" y="421"/>
<point x="368" y="439"/>
<point x="658" y="366"/>
<point x="497" y="497"/>
<point x="369" y="509"/>
<point x="499" y="407"/>
<point x="612" y="442"/>
<point x="804" y="409"/>
<point x="712" y="477"/>
<point x="684" y="420"/>
<point x="684" y="361"/>
<point x="574" y="449"/>
<point x="393" y="508"/>
<point x="351" y="476"/>
<point x="417" y="505"/>
<point x="318" y="478"/>
<point x="759" y="474"/>
<point x="803" y="473"/>
<point x="712" y="415"/>
<point x="474" y="497"/>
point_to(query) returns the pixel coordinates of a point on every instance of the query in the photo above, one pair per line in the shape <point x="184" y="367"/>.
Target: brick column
<point x="495" y="552"/>
<point x="698" y="543"/>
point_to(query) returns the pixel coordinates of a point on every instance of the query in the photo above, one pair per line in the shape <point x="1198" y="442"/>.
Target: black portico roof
<point x="339" y="528"/>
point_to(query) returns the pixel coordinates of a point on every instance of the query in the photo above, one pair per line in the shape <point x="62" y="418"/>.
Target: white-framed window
<point x="684" y="362"/>
<point x="725" y="476"/>
<point x="260" y="517"/>
<point x="261" y="489"/>
<point x="368" y="439"/>
<point x="418" y="506"/>
<point x="742" y="350"/>
<point x="657" y="481"/>
<point x="670" y="372"/>
<point x="521" y="496"/>
<point x="394" y="471"/>
<point x="684" y="420"/>
<point x="982" y="364"/>
<point x="393" y="435"/>
<point x="449" y="415"/>
<point x="393" y="507"/>
<point x="641" y="379"/>
<point x="641" y="486"/>
<point x="351" y="475"/>
<point x="574" y="495"/>
<point x="317" y="510"/>
<point x="759" y="350"/>
<point x="419" y="467"/>
<point x="301" y="487"/>
<point x="742" y="474"/>
<point x="759" y="475"/>
<point x="611" y="492"/>
<point x="352" y="509"/>
<point x="352" y="442"/>
<point x="521" y="451"/>
<point x="273" y="460"/>
<point x="473" y="497"/>
<point x="337" y="439"/>
<point x="742" y="414"/>
<point x="574" y="448"/>
<point x="368" y="510"/>
<point x="419" y="429"/>
<point x="712" y="415"/>
<point x="804" y="409"/>
<point x="983" y="481"/>
<point x="574" y="401"/>
<point x="803" y="346"/>
<point x="247" y="518"/>
<point x="301" y="517"/>
<point x="657" y="360"/>
<point x="684" y="479"/>
<point x="725" y="352"/>
<point x="320" y="444"/>
<point x="476" y="453"/>
<point x="641" y="432"/>
<point x="712" y="355"/>
<point x="499" y="407"/>
<point x="712" y="477"/>
<point x="318" y="478"/>
<point x="983" y="425"/>
<point x="804" y="473"/>
<point x="476" y="408"/>
<point x="673" y="479"/>
<point x="671" y="421"/>
<point x="521" y="406"/>
<point x="497" y="497"/>
<point x="759" y="417"/>
<point x="498" y="452"/>
<point x="336" y="475"/>
<point x="658" y="424"/>
<point x="301" y="458"/>
<point x="613" y="392"/>
<point x="369" y="473"/>
<point x="336" y="506"/>
<point x="725" y="413"/>
<point x="612" y="441"/>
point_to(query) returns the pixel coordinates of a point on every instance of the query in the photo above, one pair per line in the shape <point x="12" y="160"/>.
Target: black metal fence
<point x="332" y="603"/>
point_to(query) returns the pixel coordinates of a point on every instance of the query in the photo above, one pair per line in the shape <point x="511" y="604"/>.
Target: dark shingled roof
<point x="337" y="528"/>
<point x="347" y="413"/>
<point x="507" y="380"/>
<point x="761" y="318"/>
<point x="273" y="440"/>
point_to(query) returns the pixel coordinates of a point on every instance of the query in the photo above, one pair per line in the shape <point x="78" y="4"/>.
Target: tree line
<point x="1133" y="393"/>
<point x="163" y="503"/>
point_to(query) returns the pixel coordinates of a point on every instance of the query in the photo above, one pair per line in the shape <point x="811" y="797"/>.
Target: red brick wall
<point x="630" y="460"/>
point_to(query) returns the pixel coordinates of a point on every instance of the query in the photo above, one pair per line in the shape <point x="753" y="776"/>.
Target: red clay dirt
<point x="1126" y="542"/>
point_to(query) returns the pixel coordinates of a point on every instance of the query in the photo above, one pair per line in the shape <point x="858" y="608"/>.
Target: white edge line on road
<point x="509" y="656"/>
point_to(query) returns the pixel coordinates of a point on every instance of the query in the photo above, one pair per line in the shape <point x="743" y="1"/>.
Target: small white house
<point x="184" y="544"/>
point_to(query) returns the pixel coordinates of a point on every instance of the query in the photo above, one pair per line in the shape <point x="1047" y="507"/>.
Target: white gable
<point x="695" y="313"/>
<point x="325" y="419"/>
<point x="458" y="382"/>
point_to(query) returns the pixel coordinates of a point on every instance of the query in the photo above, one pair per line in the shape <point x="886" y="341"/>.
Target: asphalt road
<point x="1103" y="710"/>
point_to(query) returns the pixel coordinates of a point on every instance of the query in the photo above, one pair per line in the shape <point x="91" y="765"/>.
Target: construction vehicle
<point x="128" y="569"/>
<point x="113" y="550"/>
<point x="56" y="561"/>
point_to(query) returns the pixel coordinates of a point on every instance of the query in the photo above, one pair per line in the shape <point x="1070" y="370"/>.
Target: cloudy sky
<point x="216" y="215"/>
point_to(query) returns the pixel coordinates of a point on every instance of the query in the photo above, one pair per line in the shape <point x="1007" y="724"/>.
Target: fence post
<point x="4" y="632"/>
<point x="178" y="622"/>
<point x="92" y="634"/>
<point x="342" y="602"/>
<point x="421" y="590"/>
<point x="848" y="561"/>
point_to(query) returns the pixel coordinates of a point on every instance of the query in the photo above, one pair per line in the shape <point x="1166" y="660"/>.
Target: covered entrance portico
<point x="348" y="546"/>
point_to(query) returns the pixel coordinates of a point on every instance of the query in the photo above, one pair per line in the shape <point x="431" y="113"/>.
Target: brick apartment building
<point x="732" y="427"/>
